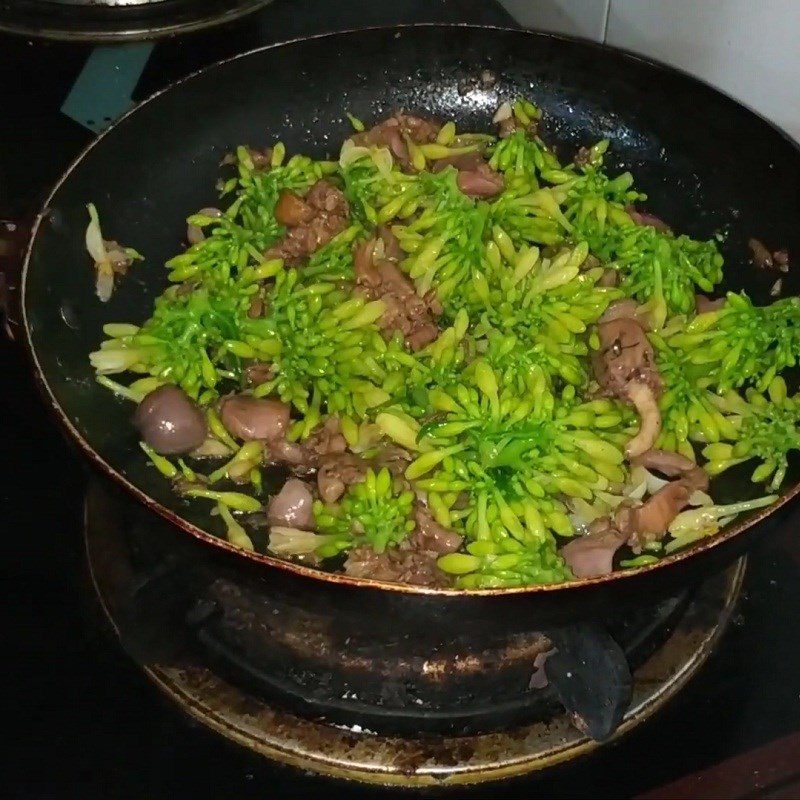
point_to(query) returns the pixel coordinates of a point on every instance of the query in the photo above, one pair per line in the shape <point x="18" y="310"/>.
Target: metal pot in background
<point x="117" y="20"/>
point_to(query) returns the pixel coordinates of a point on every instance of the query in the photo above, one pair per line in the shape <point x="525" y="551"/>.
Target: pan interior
<point x="707" y="164"/>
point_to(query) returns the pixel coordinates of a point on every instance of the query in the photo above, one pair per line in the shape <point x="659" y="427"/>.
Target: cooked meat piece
<point x="397" y="565"/>
<point x="610" y="277"/>
<point x="394" y="458"/>
<point x="406" y="311"/>
<point x="418" y="129"/>
<point x="292" y="507"/>
<point x="336" y="472"/>
<point x="482" y="181"/>
<point x="507" y="123"/>
<point x="649" y="521"/>
<point x="292" y="210"/>
<point x="170" y="421"/>
<point x="696" y="479"/>
<point x="258" y="372"/>
<point x="592" y="555"/>
<point x="674" y="465"/>
<point x="590" y="262"/>
<point x="664" y="461"/>
<point x="432" y="536"/>
<point x="644" y="401"/>
<point x="622" y="309"/>
<point x="256" y="307"/>
<point x="506" y="127"/>
<point x="391" y="245"/>
<point x="582" y="157"/>
<point x="391" y="133"/>
<point x="650" y="220"/>
<point x="311" y="221"/>
<point x="625" y="356"/>
<point x="254" y="418"/>
<point x="324" y="197"/>
<point x="385" y="134"/>
<point x="325" y="452"/>
<point x="262" y="159"/>
<point x="292" y="454"/>
<point x="781" y="260"/>
<point x="625" y="368"/>
<point x="422" y="336"/>
<point x="703" y="304"/>
<point x="116" y="256"/>
<point x="762" y="257"/>
<point x="475" y="177"/>
<point x="293" y="247"/>
<point x="465" y="161"/>
<point x="325" y="440"/>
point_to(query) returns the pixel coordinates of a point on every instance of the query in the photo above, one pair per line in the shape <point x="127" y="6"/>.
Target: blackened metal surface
<point x="115" y="22"/>
<point x="590" y="675"/>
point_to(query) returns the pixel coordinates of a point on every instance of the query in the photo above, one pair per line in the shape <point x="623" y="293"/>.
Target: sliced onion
<point x="638" y="483"/>
<point x="104" y="285"/>
<point x="211" y="448"/>
<point x="369" y="434"/>
<point x="646" y="405"/>
<point x="383" y="160"/>
<point x="194" y="234"/>
<point x="110" y="360"/>
<point x="579" y="526"/>
<point x="611" y="500"/>
<point x="708" y="519"/>
<point x="699" y="498"/>
<point x="585" y="512"/>
<point x="654" y="483"/>
<point x="350" y="153"/>
<point x="503" y="112"/>
<point x="293" y="541"/>
<point x="94" y="237"/>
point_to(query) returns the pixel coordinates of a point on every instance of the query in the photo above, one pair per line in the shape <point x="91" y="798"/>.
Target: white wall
<point x="748" y="48"/>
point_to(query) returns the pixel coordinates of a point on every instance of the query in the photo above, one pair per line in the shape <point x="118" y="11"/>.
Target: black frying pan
<point x="707" y="163"/>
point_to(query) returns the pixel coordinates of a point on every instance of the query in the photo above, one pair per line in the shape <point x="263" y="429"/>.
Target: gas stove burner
<point x="252" y="663"/>
<point x="117" y="20"/>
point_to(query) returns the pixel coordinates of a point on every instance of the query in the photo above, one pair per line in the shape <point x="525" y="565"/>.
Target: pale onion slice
<point x="285" y="541"/>
<point x="503" y="112"/>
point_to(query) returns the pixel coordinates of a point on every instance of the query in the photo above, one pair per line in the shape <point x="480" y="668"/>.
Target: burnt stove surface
<point x="442" y="688"/>
<point x="181" y="604"/>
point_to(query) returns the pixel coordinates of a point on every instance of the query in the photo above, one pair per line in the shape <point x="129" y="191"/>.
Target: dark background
<point x="82" y="720"/>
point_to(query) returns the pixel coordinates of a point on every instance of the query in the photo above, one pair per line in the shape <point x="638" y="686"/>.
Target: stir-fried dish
<point x="473" y="365"/>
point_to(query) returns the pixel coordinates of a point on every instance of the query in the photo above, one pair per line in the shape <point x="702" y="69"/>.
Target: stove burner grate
<point x="249" y="666"/>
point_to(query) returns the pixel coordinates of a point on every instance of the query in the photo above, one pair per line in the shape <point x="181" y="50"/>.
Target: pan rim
<point x="702" y="546"/>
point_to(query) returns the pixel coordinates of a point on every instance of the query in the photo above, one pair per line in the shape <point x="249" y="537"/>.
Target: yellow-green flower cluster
<point x="374" y="512"/>
<point x="516" y="456"/>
